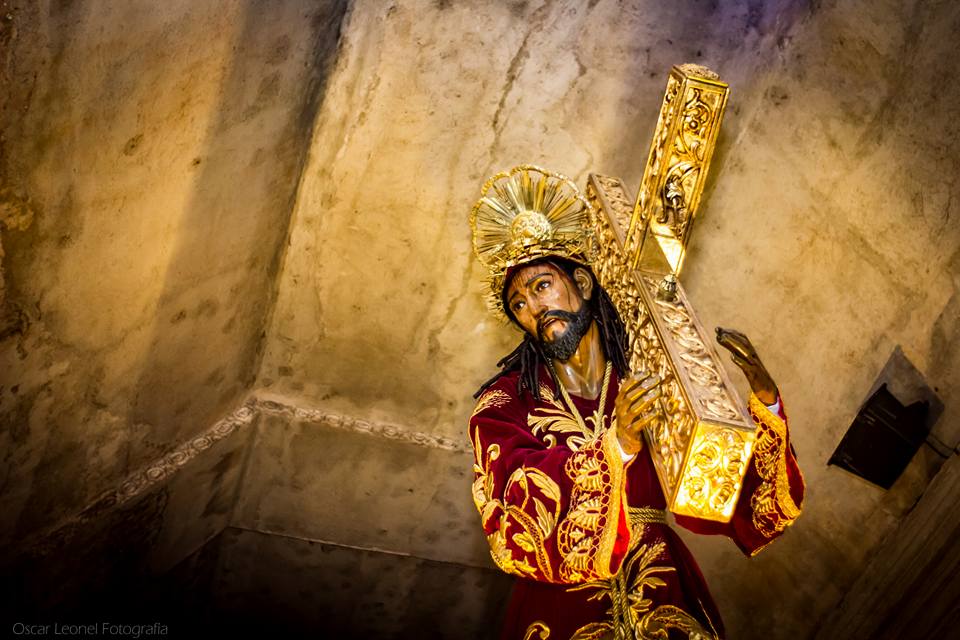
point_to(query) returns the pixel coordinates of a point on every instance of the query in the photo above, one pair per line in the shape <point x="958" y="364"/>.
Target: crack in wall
<point x="353" y="547"/>
<point x="513" y="70"/>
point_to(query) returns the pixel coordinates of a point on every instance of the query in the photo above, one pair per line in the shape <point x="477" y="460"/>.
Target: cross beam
<point x="703" y="444"/>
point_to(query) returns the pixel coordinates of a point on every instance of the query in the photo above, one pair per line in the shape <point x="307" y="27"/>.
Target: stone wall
<point x="379" y="313"/>
<point x="149" y="158"/>
<point x="828" y="238"/>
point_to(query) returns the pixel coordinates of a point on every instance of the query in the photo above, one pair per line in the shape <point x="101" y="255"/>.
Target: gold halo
<point x="524" y="214"/>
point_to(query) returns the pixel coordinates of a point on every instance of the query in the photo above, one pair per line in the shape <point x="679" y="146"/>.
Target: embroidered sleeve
<point x="549" y="513"/>
<point x="772" y="502"/>
<point x="773" y="489"/>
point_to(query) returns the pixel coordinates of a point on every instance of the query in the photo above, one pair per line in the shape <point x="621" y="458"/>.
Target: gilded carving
<point x="694" y="356"/>
<point x="717" y="462"/>
<point x="701" y="447"/>
<point x="666" y="204"/>
<point x="526" y="213"/>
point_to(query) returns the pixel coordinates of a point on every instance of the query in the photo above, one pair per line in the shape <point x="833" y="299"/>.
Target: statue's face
<point x="551" y="306"/>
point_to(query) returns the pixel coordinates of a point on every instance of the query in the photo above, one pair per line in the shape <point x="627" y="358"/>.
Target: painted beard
<point x="565" y="345"/>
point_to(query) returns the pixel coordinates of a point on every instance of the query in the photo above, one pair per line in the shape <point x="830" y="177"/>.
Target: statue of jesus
<point x="566" y="490"/>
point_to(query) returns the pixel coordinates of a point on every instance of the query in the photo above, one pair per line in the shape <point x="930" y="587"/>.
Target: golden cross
<point x="702" y="446"/>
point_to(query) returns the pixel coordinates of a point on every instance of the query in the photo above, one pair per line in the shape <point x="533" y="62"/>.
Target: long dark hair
<point x="528" y="356"/>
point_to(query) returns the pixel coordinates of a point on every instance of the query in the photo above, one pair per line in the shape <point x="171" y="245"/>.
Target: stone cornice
<point x="141" y="481"/>
<point x="277" y="407"/>
<point x="153" y="474"/>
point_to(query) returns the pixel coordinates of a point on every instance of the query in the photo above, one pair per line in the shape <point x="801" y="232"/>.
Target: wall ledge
<point x="58" y="535"/>
<point x="276" y="405"/>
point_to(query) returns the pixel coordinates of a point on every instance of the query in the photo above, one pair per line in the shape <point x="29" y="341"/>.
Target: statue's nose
<point x="537" y="309"/>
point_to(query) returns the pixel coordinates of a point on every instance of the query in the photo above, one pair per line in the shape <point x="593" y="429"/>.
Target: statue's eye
<point x="543" y="284"/>
<point x="517" y="306"/>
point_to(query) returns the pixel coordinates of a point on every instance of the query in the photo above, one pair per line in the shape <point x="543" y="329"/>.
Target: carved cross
<point x="702" y="446"/>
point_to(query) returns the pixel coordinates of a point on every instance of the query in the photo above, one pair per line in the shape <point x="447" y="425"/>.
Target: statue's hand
<point x="745" y="357"/>
<point x="636" y="408"/>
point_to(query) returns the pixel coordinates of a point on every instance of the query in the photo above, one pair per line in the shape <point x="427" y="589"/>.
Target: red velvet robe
<point x="556" y="505"/>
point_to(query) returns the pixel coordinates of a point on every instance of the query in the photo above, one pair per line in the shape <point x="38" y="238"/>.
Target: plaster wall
<point x="311" y="480"/>
<point x="149" y="157"/>
<point x="825" y="233"/>
<point x="135" y="550"/>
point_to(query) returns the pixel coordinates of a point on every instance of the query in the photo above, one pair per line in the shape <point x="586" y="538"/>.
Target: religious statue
<point x="613" y="409"/>
<point x="565" y="485"/>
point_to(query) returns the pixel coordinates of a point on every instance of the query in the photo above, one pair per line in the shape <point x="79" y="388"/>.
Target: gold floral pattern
<point x="532" y="528"/>
<point x="556" y="420"/>
<point x="632" y="614"/>
<point x="539" y="628"/>
<point x="492" y="398"/>
<point x="587" y="535"/>
<point x="527" y="554"/>
<point x="773" y="507"/>
<point x="518" y="540"/>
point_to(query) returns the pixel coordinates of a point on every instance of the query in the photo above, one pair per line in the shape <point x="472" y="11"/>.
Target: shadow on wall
<point x="217" y="288"/>
<point x="271" y="574"/>
<point x="220" y="281"/>
<point x="140" y="290"/>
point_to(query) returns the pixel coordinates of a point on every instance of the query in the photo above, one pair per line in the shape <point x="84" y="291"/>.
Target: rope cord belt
<point x="646" y="515"/>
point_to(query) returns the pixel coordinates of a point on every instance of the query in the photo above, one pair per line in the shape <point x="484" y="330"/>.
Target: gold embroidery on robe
<point x="539" y="628"/>
<point x="773" y="506"/>
<point x="586" y="537"/>
<point x="527" y="516"/>
<point x="530" y="534"/>
<point x="632" y="615"/>
<point x="492" y="398"/>
<point x="549" y="422"/>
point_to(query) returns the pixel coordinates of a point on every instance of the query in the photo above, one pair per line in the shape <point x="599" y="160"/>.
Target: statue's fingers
<point x="744" y="342"/>
<point x="729" y="334"/>
<point x="640" y="404"/>
<point x="642" y="421"/>
<point x="724" y="339"/>
<point x="743" y="363"/>
<point x="634" y="388"/>
<point x="629" y="387"/>
<point x="651" y="381"/>
<point x="643" y="388"/>
<point x="736" y="344"/>
<point x="645" y="397"/>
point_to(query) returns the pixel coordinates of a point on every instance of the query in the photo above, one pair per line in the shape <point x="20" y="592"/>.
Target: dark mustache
<point x="555" y="314"/>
